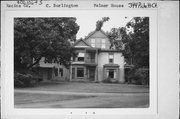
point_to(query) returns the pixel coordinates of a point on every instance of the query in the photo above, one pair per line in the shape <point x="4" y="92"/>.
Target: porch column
<point x="96" y="74"/>
<point x="96" y="57"/>
<point x="70" y="78"/>
<point x="85" y="73"/>
<point x="118" y="74"/>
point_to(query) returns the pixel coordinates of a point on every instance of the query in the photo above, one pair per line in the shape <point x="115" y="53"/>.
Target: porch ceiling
<point x="111" y="65"/>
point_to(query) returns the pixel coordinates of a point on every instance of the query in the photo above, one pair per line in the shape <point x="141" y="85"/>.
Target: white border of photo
<point x="163" y="66"/>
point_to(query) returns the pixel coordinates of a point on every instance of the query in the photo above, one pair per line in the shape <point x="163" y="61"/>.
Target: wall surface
<point x="98" y="36"/>
<point x="103" y="58"/>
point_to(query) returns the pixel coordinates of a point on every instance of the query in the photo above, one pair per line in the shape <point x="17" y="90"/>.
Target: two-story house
<point x="95" y="60"/>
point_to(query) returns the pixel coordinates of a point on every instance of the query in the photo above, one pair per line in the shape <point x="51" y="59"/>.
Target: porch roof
<point x="111" y="65"/>
<point x="47" y="65"/>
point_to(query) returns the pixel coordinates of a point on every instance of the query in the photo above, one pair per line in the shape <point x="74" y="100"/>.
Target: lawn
<point x="90" y="87"/>
<point x="26" y="98"/>
<point x="82" y="95"/>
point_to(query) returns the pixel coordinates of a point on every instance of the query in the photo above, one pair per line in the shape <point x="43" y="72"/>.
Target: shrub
<point x="110" y="80"/>
<point x="25" y="80"/>
<point x="138" y="76"/>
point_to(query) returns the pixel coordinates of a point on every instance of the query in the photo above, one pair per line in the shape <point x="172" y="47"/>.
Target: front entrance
<point x="91" y="73"/>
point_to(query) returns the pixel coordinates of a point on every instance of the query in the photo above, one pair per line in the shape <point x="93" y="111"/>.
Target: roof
<point x="111" y="65"/>
<point x="46" y="65"/>
<point x="109" y="50"/>
<point x="95" y="32"/>
<point x="82" y="41"/>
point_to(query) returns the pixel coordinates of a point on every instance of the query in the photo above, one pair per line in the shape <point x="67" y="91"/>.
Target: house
<point x="52" y="71"/>
<point x="95" y="60"/>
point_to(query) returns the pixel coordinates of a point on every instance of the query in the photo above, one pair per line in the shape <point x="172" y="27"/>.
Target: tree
<point x="139" y="41"/>
<point x="134" y="43"/>
<point x="35" y="38"/>
<point x="100" y="23"/>
<point x="117" y="36"/>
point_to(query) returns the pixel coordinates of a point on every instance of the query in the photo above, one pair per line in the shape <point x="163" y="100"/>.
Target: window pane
<point x="80" y="72"/>
<point x="92" y="40"/>
<point x="61" y="71"/>
<point x="103" y="41"/>
<point x="111" y="56"/>
<point x="103" y="46"/>
<point x="93" y="45"/>
<point x="111" y="73"/>
<point x="73" y="72"/>
<point x="81" y="54"/>
<point x="110" y="60"/>
<point x="56" y="72"/>
<point x="80" y="58"/>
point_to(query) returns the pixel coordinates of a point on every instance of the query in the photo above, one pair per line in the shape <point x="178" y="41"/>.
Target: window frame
<point x="77" y="72"/>
<point x="111" y="54"/>
<point x="93" y="42"/>
<point x="79" y="57"/>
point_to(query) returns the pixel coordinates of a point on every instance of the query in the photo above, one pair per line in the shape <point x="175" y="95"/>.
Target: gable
<point x="99" y="38"/>
<point x="99" y="34"/>
<point x="81" y="43"/>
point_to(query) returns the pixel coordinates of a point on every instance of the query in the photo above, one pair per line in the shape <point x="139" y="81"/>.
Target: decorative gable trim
<point x="83" y="43"/>
<point x="95" y="32"/>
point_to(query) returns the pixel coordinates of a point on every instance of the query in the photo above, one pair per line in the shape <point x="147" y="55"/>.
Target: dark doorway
<point x="91" y="74"/>
<point x="111" y="73"/>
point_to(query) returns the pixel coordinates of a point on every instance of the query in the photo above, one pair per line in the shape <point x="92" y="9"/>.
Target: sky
<point x="87" y="22"/>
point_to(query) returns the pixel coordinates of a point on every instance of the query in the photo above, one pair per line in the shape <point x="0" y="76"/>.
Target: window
<point x="73" y="73"/>
<point x="56" y="72"/>
<point x="112" y="73"/>
<point x="103" y="43"/>
<point x="111" y="58"/>
<point x="61" y="71"/>
<point x="93" y="41"/>
<point x="80" y="72"/>
<point x="81" y="57"/>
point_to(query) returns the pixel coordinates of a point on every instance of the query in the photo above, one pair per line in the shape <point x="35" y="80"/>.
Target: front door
<point x="91" y="74"/>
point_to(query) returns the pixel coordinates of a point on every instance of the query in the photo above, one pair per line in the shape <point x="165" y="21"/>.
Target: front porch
<point x="83" y="73"/>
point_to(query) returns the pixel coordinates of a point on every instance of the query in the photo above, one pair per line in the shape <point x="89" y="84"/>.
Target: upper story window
<point x="93" y="41"/>
<point x="103" y="43"/>
<point x="111" y="58"/>
<point x="80" y="57"/>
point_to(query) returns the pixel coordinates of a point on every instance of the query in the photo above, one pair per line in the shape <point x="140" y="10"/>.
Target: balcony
<point x="90" y="60"/>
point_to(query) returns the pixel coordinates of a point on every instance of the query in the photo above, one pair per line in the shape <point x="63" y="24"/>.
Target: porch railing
<point x="90" y="60"/>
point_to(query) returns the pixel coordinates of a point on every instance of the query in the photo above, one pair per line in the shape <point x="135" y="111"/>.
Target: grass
<point x="91" y="87"/>
<point x="22" y="98"/>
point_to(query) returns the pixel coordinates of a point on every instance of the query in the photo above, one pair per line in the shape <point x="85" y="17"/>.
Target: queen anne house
<point x="95" y="60"/>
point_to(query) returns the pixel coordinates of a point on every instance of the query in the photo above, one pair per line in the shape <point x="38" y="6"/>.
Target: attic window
<point x="93" y="42"/>
<point x="103" y="43"/>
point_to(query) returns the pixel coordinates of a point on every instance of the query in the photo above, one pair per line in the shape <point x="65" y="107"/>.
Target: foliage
<point x="35" y="38"/>
<point x="138" y="76"/>
<point x="25" y="80"/>
<point x="134" y="43"/>
<point x="110" y="80"/>
<point x="117" y="36"/>
<point x="100" y="23"/>
<point x="137" y="46"/>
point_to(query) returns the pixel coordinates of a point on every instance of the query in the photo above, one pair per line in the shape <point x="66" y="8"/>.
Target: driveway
<point x="82" y="95"/>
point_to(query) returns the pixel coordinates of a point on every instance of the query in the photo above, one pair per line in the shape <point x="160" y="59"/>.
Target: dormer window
<point x="93" y="42"/>
<point x="103" y="43"/>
